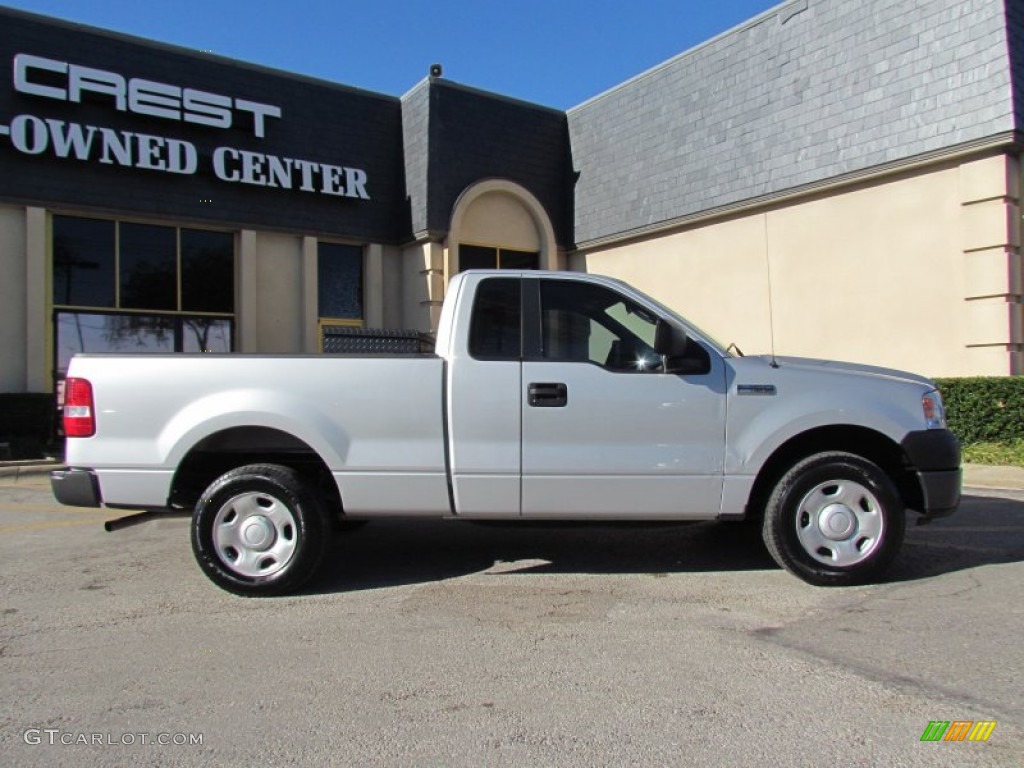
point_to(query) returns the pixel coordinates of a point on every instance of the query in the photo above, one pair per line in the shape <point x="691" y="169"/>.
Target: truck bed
<point x="374" y="420"/>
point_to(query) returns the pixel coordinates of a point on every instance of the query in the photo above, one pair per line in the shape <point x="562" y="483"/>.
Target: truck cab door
<point x="606" y="432"/>
<point x="484" y="381"/>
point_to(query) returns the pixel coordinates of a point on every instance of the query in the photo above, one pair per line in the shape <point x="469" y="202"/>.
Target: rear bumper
<point x="934" y="456"/>
<point x="76" y="487"/>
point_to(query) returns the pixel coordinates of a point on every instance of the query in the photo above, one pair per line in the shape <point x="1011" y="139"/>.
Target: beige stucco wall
<point x="501" y="214"/>
<point x="422" y="285"/>
<point x="391" y="287"/>
<point x="920" y="272"/>
<point x="271" y="302"/>
<point x="495" y="213"/>
<point x="13" y="306"/>
<point x="499" y="219"/>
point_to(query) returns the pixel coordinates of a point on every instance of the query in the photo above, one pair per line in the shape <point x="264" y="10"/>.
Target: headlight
<point x="934" y="413"/>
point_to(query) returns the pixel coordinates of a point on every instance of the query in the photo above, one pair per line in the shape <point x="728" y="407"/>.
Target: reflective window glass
<point x="95" y="332"/>
<point x="98" y="333"/>
<point x="83" y="262"/>
<point x="487" y="257"/>
<point x="495" y="330"/>
<point x="148" y="266"/>
<point x="205" y="334"/>
<point x="168" y="277"/>
<point x="590" y="323"/>
<point x="207" y="271"/>
<point x="509" y="259"/>
<point x="477" y="257"/>
<point x="340" y="281"/>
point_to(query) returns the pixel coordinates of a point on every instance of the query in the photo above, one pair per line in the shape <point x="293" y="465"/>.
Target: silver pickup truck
<point x="550" y="396"/>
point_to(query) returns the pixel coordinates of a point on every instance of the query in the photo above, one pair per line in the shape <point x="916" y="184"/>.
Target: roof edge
<point x="988" y="145"/>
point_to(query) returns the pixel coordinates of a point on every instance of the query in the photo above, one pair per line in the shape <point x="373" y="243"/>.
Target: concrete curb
<point x="990" y="476"/>
<point x="975" y="475"/>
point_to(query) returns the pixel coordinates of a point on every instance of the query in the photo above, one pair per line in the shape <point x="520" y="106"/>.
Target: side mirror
<point x="677" y="354"/>
<point x="670" y="340"/>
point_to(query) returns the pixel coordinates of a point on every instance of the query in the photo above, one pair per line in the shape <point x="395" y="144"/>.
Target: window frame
<point x="117" y="308"/>
<point x="534" y="330"/>
<point x="329" y="321"/>
<point x="498" y="250"/>
<point x="332" y="320"/>
<point x="175" y="321"/>
<point x="473" y="321"/>
<point x="175" y="317"/>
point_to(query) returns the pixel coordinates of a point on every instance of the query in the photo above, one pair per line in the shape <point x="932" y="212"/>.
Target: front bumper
<point x="934" y="456"/>
<point x="941" y="492"/>
<point x="76" y="487"/>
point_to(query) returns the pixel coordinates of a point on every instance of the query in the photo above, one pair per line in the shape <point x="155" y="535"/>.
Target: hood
<point x="811" y="365"/>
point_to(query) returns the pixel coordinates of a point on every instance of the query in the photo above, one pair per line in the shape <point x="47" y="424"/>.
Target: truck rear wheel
<point x="834" y="519"/>
<point x="258" y="530"/>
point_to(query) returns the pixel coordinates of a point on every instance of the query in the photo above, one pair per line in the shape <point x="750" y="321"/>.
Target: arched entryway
<point x="499" y="224"/>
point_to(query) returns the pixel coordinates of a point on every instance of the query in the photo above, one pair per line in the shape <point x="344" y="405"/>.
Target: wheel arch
<point x="861" y="441"/>
<point x="234" y="447"/>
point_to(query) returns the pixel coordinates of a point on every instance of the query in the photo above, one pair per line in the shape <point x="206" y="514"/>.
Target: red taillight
<point x="79" y="415"/>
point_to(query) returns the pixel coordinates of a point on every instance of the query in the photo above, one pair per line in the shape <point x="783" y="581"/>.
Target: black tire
<point x="834" y="519"/>
<point x="258" y="531"/>
<point x="348" y="526"/>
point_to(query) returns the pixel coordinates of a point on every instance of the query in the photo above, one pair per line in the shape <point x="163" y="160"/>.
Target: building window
<point x="140" y="288"/>
<point x="83" y="262"/>
<point x="339" y="286"/>
<point x="487" y="257"/>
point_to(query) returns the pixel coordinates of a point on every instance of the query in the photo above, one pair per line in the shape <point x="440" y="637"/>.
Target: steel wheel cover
<point x="840" y="523"/>
<point x="255" y="534"/>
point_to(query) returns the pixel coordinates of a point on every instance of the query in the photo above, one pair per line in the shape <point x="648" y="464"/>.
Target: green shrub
<point x="984" y="409"/>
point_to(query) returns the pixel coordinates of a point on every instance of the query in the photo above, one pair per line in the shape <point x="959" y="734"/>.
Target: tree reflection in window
<point x="180" y="281"/>
<point x="98" y="333"/>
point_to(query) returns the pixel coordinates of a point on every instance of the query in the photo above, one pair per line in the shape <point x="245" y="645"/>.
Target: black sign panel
<point x="91" y="120"/>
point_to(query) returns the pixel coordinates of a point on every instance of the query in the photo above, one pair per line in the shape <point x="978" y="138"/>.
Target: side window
<point x="495" y="331"/>
<point x="591" y="324"/>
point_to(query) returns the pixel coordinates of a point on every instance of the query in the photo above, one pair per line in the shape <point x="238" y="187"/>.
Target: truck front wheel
<point x="834" y="519"/>
<point x="258" y="530"/>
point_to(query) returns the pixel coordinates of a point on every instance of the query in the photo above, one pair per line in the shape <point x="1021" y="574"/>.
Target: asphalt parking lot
<point x="445" y="644"/>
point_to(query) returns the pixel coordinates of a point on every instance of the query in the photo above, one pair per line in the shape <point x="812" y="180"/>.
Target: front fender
<point x="755" y="432"/>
